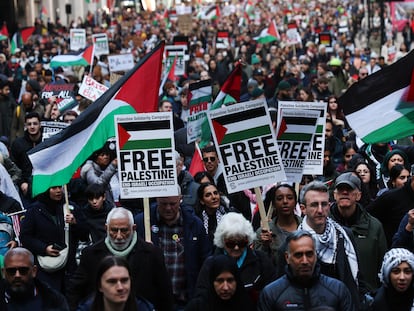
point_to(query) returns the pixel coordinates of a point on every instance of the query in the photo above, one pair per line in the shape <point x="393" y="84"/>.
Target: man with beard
<point x="21" y="290"/>
<point x="148" y="273"/>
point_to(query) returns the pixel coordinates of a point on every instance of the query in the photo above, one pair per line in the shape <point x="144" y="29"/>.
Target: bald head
<point x="19" y="251"/>
<point x="27" y="100"/>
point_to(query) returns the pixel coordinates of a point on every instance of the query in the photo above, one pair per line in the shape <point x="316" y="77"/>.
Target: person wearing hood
<point x="392" y="158"/>
<point x="225" y="292"/>
<point x="102" y="169"/>
<point x="396" y="291"/>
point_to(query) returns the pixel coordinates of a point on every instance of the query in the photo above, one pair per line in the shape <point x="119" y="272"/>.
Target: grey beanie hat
<point x="392" y="259"/>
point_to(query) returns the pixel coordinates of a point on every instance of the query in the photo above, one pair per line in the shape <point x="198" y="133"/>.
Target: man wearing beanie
<point x="396" y="291"/>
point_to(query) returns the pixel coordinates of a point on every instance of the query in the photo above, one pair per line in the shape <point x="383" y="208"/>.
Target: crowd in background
<point x="210" y="250"/>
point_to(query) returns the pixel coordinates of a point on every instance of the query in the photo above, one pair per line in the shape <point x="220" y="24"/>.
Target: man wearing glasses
<point x="21" y="290"/>
<point x="334" y="245"/>
<point x="368" y="233"/>
<point x="181" y="236"/>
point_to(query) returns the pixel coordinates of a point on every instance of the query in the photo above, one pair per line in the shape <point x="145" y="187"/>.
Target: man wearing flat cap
<point x="368" y="233"/>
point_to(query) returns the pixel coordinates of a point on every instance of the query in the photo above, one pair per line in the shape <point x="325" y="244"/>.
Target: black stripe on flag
<point x="378" y="85"/>
<point x="200" y="84"/>
<point x="299" y="120"/>
<point x="241" y="116"/>
<point x="146" y="126"/>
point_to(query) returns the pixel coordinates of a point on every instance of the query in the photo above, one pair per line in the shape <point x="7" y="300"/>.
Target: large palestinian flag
<point x="380" y="108"/>
<point x="57" y="158"/>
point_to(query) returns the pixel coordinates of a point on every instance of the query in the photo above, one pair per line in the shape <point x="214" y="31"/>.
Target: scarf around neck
<point x="327" y="244"/>
<point x="124" y="252"/>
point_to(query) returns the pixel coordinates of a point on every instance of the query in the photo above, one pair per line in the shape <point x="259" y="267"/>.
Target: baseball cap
<point x="348" y="179"/>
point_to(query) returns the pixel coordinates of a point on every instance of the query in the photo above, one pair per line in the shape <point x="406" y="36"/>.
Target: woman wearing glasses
<point x="233" y="237"/>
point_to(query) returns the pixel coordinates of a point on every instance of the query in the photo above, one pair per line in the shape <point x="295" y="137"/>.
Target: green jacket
<point x="370" y="242"/>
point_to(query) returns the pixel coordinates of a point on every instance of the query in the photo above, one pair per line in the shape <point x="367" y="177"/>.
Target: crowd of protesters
<point x="344" y="242"/>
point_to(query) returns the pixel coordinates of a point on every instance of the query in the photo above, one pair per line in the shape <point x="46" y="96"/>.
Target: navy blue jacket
<point x="196" y="244"/>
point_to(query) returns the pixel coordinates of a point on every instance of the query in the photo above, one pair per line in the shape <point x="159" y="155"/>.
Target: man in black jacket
<point x="304" y="287"/>
<point x="149" y="275"/>
<point x="21" y="290"/>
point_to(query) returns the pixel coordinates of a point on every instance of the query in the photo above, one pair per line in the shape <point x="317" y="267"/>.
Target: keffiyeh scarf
<point x="327" y="243"/>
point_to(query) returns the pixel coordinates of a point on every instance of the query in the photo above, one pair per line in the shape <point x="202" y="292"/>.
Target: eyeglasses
<point x="317" y="204"/>
<point x="232" y="243"/>
<point x="22" y="270"/>
<point x="212" y="159"/>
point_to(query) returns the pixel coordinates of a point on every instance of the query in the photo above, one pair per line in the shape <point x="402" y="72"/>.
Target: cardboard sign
<point x="199" y="104"/>
<point x="246" y="145"/>
<point x="91" y="89"/>
<point x="77" y="39"/>
<point x="172" y="51"/>
<point x="64" y="93"/>
<point x="120" y="62"/>
<point x="222" y="40"/>
<point x="145" y="148"/>
<point x="294" y="137"/>
<point x="100" y="44"/>
<point x="314" y="161"/>
<point x="50" y="128"/>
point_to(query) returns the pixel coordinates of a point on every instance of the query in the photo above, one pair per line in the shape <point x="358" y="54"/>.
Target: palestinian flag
<point x="16" y="43"/>
<point x="380" y="108"/>
<point x="197" y="164"/>
<point x="238" y="126"/>
<point x="26" y="32"/>
<point x="199" y="99"/>
<point x="295" y="126"/>
<point x="229" y="94"/>
<point x="82" y="58"/>
<point x="57" y="158"/>
<point x="269" y="34"/>
<point x="140" y="135"/>
<point x="4" y="31"/>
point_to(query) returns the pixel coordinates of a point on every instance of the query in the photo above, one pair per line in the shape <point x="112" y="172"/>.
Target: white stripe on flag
<point x="299" y="128"/>
<point x="50" y="167"/>
<point x="377" y="114"/>
<point x="246" y="124"/>
<point x="141" y="135"/>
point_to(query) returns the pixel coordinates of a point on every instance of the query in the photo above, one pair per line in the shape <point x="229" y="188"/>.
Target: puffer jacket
<point x="286" y="293"/>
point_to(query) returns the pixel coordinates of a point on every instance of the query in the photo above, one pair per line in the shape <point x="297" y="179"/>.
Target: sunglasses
<point x="22" y="270"/>
<point x="232" y="244"/>
<point x="212" y="159"/>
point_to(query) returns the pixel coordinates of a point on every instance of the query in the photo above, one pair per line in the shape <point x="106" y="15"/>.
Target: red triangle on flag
<point x="123" y="136"/>
<point x="88" y="54"/>
<point x="171" y="74"/>
<point x="137" y="91"/>
<point x="26" y="33"/>
<point x="282" y="128"/>
<point x="232" y="85"/>
<point x="220" y="131"/>
<point x="4" y="31"/>
<point x="197" y="164"/>
<point x="272" y="30"/>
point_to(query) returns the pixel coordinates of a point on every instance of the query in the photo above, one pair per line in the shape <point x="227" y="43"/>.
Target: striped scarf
<point x="327" y="243"/>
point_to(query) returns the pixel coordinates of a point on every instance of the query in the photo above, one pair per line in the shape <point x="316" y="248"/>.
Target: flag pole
<point x="147" y="220"/>
<point x="263" y="217"/>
